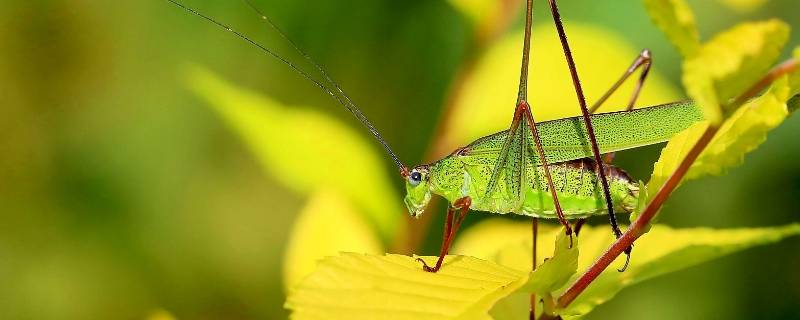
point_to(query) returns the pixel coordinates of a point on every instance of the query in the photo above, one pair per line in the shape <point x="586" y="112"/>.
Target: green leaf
<point x="515" y="306"/>
<point x="326" y="226"/>
<point x="556" y="271"/>
<point x="659" y="252"/>
<point x="676" y="20"/>
<point x="325" y="154"/>
<point x="726" y="66"/>
<point x="742" y="133"/>
<point x="485" y="103"/>
<point x="665" y="250"/>
<point x="356" y="286"/>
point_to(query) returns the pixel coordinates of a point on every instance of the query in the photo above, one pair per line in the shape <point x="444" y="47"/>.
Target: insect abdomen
<point x="579" y="192"/>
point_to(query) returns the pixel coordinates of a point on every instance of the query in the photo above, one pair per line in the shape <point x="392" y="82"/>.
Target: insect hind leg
<point x="586" y="117"/>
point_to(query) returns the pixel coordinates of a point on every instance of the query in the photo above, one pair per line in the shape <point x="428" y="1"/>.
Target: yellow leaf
<point x="307" y="150"/>
<point x="742" y="133"/>
<point x="661" y="251"/>
<point x="326" y="226"/>
<point x="486" y="102"/>
<point x="356" y="286"/>
<point x="673" y="153"/>
<point x="726" y="66"/>
<point x="676" y="20"/>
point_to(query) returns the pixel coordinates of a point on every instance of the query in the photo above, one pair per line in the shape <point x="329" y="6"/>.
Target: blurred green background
<point x="121" y="193"/>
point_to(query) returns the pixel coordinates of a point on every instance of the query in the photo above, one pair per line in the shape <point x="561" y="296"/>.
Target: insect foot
<point x="427" y="268"/>
<point x="627" y="259"/>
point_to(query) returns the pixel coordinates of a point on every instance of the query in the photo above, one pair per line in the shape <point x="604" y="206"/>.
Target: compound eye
<point x="415" y="178"/>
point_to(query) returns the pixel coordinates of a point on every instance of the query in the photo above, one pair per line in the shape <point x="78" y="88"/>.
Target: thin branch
<point x="637" y="228"/>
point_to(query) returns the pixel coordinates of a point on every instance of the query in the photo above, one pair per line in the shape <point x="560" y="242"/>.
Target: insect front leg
<point x="451" y="225"/>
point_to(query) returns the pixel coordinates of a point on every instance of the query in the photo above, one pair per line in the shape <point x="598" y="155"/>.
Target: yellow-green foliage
<point x="726" y="66"/>
<point x="350" y="192"/>
<point x="307" y="150"/>
<point x="327" y="225"/>
<point x="358" y="286"/>
<point x="554" y="273"/>
<point x="676" y="20"/>
<point x="743" y="132"/>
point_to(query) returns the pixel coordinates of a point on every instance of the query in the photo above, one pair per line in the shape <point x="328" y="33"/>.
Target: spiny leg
<point x="451" y="225"/>
<point x="587" y="120"/>
<point x="644" y="61"/>
<point x="525" y="110"/>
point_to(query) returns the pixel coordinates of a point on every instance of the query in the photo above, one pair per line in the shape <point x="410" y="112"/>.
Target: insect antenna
<point x="341" y="97"/>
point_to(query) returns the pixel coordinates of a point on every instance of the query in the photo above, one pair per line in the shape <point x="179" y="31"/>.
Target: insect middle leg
<point x="643" y="61"/>
<point x="451" y="225"/>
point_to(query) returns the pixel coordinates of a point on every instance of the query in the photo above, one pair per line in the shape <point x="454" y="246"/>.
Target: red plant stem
<point x="635" y="230"/>
<point x="786" y="67"/>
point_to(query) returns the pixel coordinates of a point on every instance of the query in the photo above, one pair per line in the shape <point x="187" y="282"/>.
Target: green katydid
<point x="550" y="169"/>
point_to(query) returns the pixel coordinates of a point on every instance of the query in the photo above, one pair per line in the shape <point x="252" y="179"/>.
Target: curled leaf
<point x="726" y="66"/>
<point x="742" y="133"/>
